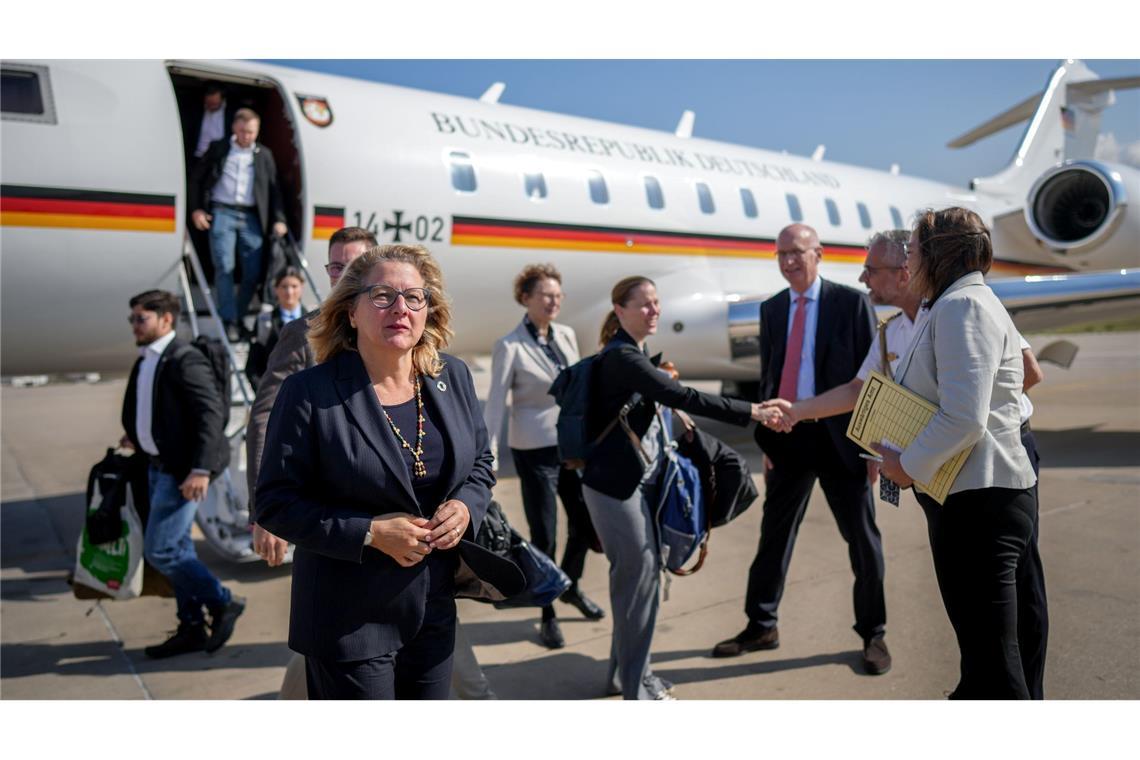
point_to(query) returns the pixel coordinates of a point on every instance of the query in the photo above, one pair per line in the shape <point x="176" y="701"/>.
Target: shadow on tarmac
<point x="100" y="658"/>
<point x="1088" y="447"/>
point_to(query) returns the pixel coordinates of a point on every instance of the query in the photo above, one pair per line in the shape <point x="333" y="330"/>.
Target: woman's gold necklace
<point x="419" y="469"/>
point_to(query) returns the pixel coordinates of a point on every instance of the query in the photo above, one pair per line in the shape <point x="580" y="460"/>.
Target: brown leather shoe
<point x="876" y="657"/>
<point x="749" y="640"/>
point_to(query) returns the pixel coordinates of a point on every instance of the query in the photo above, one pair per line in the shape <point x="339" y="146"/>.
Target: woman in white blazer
<point x="524" y="364"/>
<point x="966" y="358"/>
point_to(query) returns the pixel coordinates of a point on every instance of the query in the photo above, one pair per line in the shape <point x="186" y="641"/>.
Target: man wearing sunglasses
<point x="173" y="414"/>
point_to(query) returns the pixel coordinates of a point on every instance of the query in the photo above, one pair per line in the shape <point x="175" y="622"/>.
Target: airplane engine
<point x="1080" y="211"/>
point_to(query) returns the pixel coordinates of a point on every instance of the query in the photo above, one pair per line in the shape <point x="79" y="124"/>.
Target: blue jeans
<point x="235" y="233"/>
<point x="169" y="549"/>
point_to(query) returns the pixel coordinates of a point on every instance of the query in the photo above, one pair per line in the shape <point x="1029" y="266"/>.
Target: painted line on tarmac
<point x="119" y="646"/>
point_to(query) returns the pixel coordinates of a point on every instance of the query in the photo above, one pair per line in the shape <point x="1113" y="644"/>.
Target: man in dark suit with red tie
<point x="813" y="337"/>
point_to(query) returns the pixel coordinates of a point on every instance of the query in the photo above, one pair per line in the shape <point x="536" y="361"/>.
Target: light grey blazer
<point x="520" y="367"/>
<point x="966" y="359"/>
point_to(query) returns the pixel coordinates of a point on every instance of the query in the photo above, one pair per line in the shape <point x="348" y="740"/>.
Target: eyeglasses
<point x="335" y="270"/>
<point x="869" y="270"/>
<point x="796" y="253"/>
<point x="382" y="296"/>
<point x="138" y="319"/>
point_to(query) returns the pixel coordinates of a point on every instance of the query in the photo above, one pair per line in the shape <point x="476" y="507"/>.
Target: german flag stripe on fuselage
<point x="326" y="221"/>
<point x="512" y="233"/>
<point x="53" y="207"/>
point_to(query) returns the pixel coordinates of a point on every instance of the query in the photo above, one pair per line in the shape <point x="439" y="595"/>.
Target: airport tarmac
<point x="1087" y="421"/>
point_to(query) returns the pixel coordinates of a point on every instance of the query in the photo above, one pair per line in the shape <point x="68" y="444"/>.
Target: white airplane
<point x="94" y="203"/>
<point x="94" y="172"/>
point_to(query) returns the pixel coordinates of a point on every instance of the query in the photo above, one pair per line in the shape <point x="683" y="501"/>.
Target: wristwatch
<point x="368" y="538"/>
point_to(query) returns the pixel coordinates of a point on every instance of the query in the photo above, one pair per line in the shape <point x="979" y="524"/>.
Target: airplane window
<point x="896" y="217"/>
<point x="794" y="209"/>
<point x="535" y="186"/>
<point x="704" y="195"/>
<point x="25" y="94"/>
<point x="599" y="193"/>
<point x="832" y="212"/>
<point x="21" y="93"/>
<point x="653" y="193"/>
<point x="462" y="172"/>
<point x="864" y="215"/>
<point x="749" y="202"/>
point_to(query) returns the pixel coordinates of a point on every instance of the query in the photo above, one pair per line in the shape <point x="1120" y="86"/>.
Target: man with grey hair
<point x="888" y="282"/>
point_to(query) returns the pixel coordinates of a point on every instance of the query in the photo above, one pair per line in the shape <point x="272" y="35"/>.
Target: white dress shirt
<point x="1025" y="403"/>
<point x="235" y="186"/>
<point x="144" y="391"/>
<point x="805" y="385"/>
<point x="213" y="128"/>
<point x="289" y="316"/>
<point x="900" y="332"/>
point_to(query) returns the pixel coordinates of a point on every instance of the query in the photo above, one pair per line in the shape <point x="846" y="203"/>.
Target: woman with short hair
<point x="524" y="363"/>
<point x="966" y="358"/>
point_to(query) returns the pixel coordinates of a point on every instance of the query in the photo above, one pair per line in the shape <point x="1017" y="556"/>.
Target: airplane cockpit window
<point x="25" y="94"/>
<point x="535" y="185"/>
<point x="653" y="194"/>
<point x="462" y="172"/>
<point x="704" y="195"/>
<point x="896" y="217"/>
<point x="832" y="211"/>
<point x="599" y="193"/>
<point x="794" y="209"/>
<point x="749" y="203"/>
<point x="864" y="215"/>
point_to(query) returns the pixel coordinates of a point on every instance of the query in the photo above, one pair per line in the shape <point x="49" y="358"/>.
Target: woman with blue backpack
<point x="623" y="467"/>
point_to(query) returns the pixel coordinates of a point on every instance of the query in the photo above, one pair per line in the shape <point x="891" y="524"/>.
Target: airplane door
<point x="93" y="195"/>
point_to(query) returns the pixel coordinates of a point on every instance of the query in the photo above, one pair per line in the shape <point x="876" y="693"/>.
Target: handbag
<point x="726" y="479"/>
<point x="545" y="581"/>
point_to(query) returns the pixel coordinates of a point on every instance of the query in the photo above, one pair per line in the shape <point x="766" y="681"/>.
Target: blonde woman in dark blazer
<point x="966" y="358"/>
<point x="524" y="364"/>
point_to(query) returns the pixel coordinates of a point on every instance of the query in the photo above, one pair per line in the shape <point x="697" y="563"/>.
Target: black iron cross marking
<point x="397" y="226"/>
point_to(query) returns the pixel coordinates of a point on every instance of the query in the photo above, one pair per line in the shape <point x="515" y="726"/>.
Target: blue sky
<point x="868" y="113"/>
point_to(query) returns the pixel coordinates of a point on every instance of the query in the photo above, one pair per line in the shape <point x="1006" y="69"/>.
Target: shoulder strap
<point x="883" y="358"/>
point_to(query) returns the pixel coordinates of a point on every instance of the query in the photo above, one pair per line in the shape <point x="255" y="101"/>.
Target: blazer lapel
<point x="824" y="327"/>
<point x="355" y="389"/>
<point x="779" y="337"/>
<point x="562" y="338"/>
<point x="446" y="402"/>
<point x="537" y="355"/>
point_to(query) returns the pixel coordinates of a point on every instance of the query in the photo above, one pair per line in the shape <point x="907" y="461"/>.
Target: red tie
<point x="790" y="375"/>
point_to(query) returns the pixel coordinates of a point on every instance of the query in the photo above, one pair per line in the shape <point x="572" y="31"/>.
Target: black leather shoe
<point x="749" y="640"/>
<point x="551" y="634"/>
<point x="222" y="623"/>
<point x="585" y="605"/>
<point x="876" y="656"/>
<point x="188" y="638"/>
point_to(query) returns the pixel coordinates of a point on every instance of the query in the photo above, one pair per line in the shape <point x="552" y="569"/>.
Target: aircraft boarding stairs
<point x="223" y="516"/>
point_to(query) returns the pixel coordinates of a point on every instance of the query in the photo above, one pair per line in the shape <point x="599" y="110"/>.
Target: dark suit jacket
<point x="331" y="465"/>
<point x="614" y="467"/>
<point x="187" y="413"/>
<point x="291" y="355"/>
<point x="844" y="329"/>
<point x="192" y="115"/>
<point x="266" y="193"/>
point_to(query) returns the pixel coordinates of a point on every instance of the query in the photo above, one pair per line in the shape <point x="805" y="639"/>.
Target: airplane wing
<point x="1043" y="302"/>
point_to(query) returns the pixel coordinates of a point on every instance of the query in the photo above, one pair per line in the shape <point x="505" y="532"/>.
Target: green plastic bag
<point x="114" y="568"/>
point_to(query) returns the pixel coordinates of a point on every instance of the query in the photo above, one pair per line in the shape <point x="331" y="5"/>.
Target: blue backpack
<point x="682" y="515"/>
<point x="571" y="391"/>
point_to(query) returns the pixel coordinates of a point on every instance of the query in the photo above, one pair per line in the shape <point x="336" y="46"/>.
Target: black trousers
<point x="420" y="669"/>
<point x="542" y="478"/>
<point x="788" y="488"/>
<point x="982" y="541"/>
<point x="1032" y="606"/>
